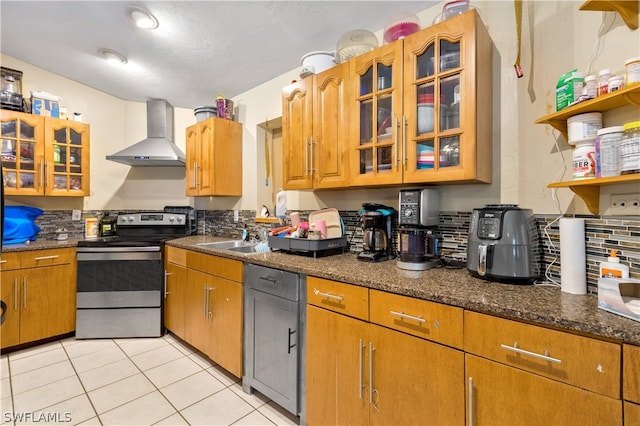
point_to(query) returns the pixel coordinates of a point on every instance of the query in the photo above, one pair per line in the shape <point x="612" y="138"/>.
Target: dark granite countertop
<point x="542" y="305"/>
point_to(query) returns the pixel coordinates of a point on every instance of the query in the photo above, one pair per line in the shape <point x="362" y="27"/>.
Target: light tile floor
<point x="156" y="381"/>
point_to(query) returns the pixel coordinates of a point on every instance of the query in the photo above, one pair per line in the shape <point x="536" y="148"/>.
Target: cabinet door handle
<point x="209" y="313"/>
<point x="15" y="294"/>
<point x="306" y="156"/>
<point x="291" y="332"/>
<point x="47" y="257"/>
<point x="195" y="174"/>
<point x="327" y="295"/>
<point x="41" y="174"/>
<point x="544" y="356"/>
<point x="404" y="141"/>
<point x="470" y="401"/>
<point x="407" y="316"/>
<point x="395" y="139"/>
<point x="24" y="292"/>
<point x="46" y="173"/>
<point x="311" y="168"/>
<point x="166" y="274"/>
<point x="371" y="390"/>
<point x="361" y="347"/>
<point x="205" y="301"/>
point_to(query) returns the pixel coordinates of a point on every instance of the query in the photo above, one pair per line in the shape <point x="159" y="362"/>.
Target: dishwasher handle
<point x="291" y="346"/>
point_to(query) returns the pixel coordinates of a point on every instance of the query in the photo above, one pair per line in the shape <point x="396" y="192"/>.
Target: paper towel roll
<point x="573" y="262"/>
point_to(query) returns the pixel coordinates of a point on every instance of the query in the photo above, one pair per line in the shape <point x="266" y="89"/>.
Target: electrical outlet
<point x="236" y="215"/>
<point x="76" y="215"/>
<point x="625" y="204"/>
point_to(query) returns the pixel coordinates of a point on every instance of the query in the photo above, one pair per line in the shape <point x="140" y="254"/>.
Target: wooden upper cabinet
<point x="447" y="102"/>
<point x="297" y="115"/>
<point x="214" y="158"/>
<point x="376" y="142"/>
<point x="315" y="123"/>
<point x="44" y="155"/>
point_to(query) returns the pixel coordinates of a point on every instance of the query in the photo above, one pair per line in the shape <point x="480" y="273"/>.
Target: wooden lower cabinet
<point x="176" y="278"/>
<point x="631" y="413"/>
<point x="40" y="295"/>
<point x="204" y="307"/>
<point x="501" y="395"/>
<point x="362" y="373"/>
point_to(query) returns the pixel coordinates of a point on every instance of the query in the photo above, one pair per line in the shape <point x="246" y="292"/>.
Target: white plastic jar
<point x="607" y="151"/>
<point x="632" y="67"/>
<point x="583" y="126"/>
<point x="603" y="81"/>
<point x="584" y="160"/>
<point x="616" y="82"/>
<point x="590" y="86"/>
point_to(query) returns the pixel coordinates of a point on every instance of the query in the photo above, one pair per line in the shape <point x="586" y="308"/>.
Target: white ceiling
<point x="200" y="49"/>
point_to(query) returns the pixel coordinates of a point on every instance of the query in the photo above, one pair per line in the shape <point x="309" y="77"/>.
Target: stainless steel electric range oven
<point x="121" y="279"/>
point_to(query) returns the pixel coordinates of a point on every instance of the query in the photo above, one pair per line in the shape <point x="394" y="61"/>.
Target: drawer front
<point x="272" y="281"/>
<point x="176" y="255"/>
<point x="631" y="373"/>
<point x="9" y="261"/>
<point x="38" y="258"/>
<point x="214" y="265"/>
<point x="580" y="361"/>
<point x="429" y="320"/>
<point x="346" y="299"/>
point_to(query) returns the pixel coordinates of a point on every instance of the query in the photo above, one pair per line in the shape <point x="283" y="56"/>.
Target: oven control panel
<point x="151" y="219"/>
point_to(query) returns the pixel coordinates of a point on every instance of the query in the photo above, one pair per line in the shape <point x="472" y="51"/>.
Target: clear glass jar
<point x="630" y="148"/>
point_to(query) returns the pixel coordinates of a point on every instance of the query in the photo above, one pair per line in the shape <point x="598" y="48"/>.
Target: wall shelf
<point x="589" y="189"/>
<point x="626" y="96"/>
<point x="628" y="10"/>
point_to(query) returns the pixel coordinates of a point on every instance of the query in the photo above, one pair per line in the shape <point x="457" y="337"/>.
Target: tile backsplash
<point x="602" y="234"/>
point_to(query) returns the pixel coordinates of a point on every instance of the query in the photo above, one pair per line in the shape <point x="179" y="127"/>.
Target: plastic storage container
<point x="590" y="86"/>
<point x="607" y="151"/>
<point x="616" y="82"/>
<point x="584" y="127"/>
<point x="632" y="67"/>
<point x="603" y="81"/>
<point x="204" y="112"/>
<point x="612" y="268"/>
<point x="584" y="160"/>
<point x="630" y="148"/>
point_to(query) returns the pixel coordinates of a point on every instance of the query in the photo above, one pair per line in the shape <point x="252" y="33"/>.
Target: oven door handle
<point x="119" y="256"/>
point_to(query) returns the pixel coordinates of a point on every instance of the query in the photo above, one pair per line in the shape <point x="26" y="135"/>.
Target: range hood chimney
<point x="158" y="149"/>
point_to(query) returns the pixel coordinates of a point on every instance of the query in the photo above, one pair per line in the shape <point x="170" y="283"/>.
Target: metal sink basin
<point x="237" y="246"/>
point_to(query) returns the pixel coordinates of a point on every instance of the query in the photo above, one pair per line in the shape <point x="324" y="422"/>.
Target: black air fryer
<point x="503" y="244"/>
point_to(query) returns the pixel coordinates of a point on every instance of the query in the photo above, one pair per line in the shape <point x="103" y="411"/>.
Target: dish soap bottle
<point x="612" y="268"/>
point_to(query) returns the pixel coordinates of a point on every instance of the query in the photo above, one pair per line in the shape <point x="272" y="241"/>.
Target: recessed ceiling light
<point x="142" y="18"/>
<point x="113" y="57"/>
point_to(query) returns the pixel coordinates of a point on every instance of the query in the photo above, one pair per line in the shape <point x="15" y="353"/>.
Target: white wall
<point x="556" y="37"/>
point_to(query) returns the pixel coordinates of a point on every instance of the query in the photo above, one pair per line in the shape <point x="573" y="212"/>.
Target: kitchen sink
<point x="237" y="246"/>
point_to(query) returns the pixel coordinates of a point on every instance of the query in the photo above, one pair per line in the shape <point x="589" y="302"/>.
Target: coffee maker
<point x="418" y="240"/>
<point x="376" y="240"/>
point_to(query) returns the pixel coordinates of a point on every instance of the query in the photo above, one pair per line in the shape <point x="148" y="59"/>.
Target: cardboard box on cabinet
<point x="45" y="107"/>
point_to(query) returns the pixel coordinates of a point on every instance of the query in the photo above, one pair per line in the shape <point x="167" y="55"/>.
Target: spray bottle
<point x="612" y="268"/>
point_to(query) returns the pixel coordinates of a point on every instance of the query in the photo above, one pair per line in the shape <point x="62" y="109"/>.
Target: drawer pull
<point x="3" y="261"/>
<point x="327" y="295"/>
<point x="545" y="357"/>
<point x="47" y="257"/>
<point x="411" y="317"/>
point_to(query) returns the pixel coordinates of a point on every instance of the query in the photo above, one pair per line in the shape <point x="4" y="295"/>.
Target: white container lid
<point x="612" y="129"/>
<point x="604" y="72"/>
<point x="632" y="60"/>
<point x="589" y="77"/>
<point x="588" y="116"/>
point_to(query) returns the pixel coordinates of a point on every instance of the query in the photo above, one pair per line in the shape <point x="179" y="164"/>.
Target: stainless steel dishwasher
<point x="274" y="323"/>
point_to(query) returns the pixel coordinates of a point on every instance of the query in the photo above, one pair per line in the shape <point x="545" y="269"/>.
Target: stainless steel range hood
<point x="158" y="149"/>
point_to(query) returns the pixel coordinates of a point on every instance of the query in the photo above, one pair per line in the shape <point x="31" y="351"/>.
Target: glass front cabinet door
<point x="44" y="156"/>
<point x="448" y="102"/>
<point x="421" y="107"/>
<point x="22" y="153"/>
<point x="66" y="158"/>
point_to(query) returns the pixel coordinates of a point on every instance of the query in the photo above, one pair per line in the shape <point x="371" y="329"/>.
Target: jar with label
<point x="584" y="160"/>
<point x="616" y="82"/>
<point x="607" y="151"/>
<point x="632" y="68"/>
<point x="630" y="148"/>
<point x="603" y="81"/>
<point x="590" y="86"/>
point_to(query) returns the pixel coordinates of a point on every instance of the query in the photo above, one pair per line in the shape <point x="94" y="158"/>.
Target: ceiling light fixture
<point x="113" y="57"/>
<point x="142" y="18"/>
